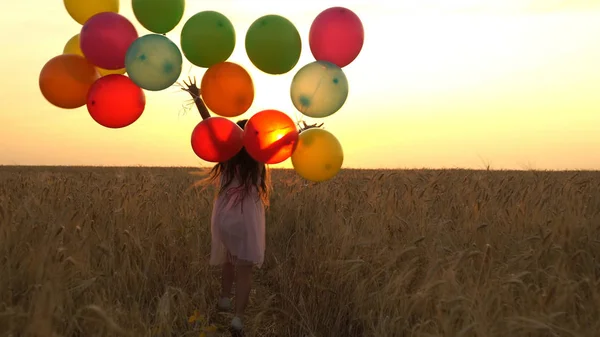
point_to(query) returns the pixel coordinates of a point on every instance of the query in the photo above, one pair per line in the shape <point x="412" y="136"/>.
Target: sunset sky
<point x="439" y="83"/>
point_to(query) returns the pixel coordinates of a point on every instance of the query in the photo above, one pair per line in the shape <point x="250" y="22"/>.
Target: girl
<point x="238" y="227"/>
<point x="238" y="219"/>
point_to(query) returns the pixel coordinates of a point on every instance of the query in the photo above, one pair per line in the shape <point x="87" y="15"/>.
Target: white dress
<point x="238" y="227"/>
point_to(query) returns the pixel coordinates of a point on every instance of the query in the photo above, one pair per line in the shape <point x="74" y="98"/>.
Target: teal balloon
<point x="153" y="62"/>
<point x="319" y="89"/>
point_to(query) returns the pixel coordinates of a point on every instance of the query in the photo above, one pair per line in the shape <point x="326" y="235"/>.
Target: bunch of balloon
<point x="227" y="90"/>
<point x="107" y="65"/>
<point x="319" y="89"/>
<point x="273" y="45"/>
<point x="207" y="41"/>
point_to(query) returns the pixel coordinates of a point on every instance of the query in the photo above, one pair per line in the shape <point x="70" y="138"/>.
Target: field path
<point x="262" y="314"/>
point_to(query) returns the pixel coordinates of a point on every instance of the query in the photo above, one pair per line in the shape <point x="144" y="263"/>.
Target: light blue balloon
<point x="153" y="62"/>
<point x="319" y="89"/>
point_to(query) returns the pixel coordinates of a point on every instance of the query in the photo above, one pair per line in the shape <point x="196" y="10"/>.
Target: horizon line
<point x="489" y="169"/>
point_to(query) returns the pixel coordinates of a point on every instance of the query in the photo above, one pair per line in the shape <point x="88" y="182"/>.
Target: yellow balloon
<point x="72" y="47"/>
<point x="82" y="10"/>
<point x="104" y="72"/>
<point x="318" y="155"/>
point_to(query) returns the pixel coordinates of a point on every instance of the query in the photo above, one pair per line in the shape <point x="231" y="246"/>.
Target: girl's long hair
<point x="248" y="171"/>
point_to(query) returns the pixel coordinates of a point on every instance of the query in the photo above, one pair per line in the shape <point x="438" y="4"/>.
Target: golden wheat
<point x="123" y="252"/>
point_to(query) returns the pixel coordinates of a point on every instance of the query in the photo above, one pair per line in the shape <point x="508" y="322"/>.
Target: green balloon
<point x="207" y="38"/>
<point x="158" y="16"/>
<point x="273" y="44"/>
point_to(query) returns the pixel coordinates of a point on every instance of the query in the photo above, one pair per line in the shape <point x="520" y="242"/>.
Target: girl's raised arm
<point x="272" y="150"/>
<point x="287" y="139"/>
<point x="194" y="91"/>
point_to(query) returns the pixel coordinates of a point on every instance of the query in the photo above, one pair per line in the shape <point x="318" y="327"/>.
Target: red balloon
<point x="270" y="136"/>
<point x="114" y="101"/>
<point x="217" y="139"/>
<point x="337" y="36"/>
<point x="105" y="38"/>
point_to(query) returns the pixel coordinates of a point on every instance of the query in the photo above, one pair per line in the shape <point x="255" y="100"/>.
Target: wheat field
<point x="124" y="252"/>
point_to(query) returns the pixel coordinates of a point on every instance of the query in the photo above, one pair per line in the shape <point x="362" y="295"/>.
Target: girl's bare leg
<point x="243" y="283"/>
<point x="227" y="277"/>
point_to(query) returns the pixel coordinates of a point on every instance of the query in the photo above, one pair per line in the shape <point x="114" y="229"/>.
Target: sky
<point x="509" y="84"/>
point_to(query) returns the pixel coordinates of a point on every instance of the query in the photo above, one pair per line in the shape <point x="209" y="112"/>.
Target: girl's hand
<point x="191" y="87"/>
<point x="305" y="126"/>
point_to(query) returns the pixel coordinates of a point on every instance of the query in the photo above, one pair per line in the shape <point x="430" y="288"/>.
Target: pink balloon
<point x="105" y="38"/>
<point x="337" y="36"/>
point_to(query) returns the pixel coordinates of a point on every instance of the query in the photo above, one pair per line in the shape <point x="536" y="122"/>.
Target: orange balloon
<point x="227" y="89"/>
<point x="270" y="136"/>
<point x="66" y="79"/>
